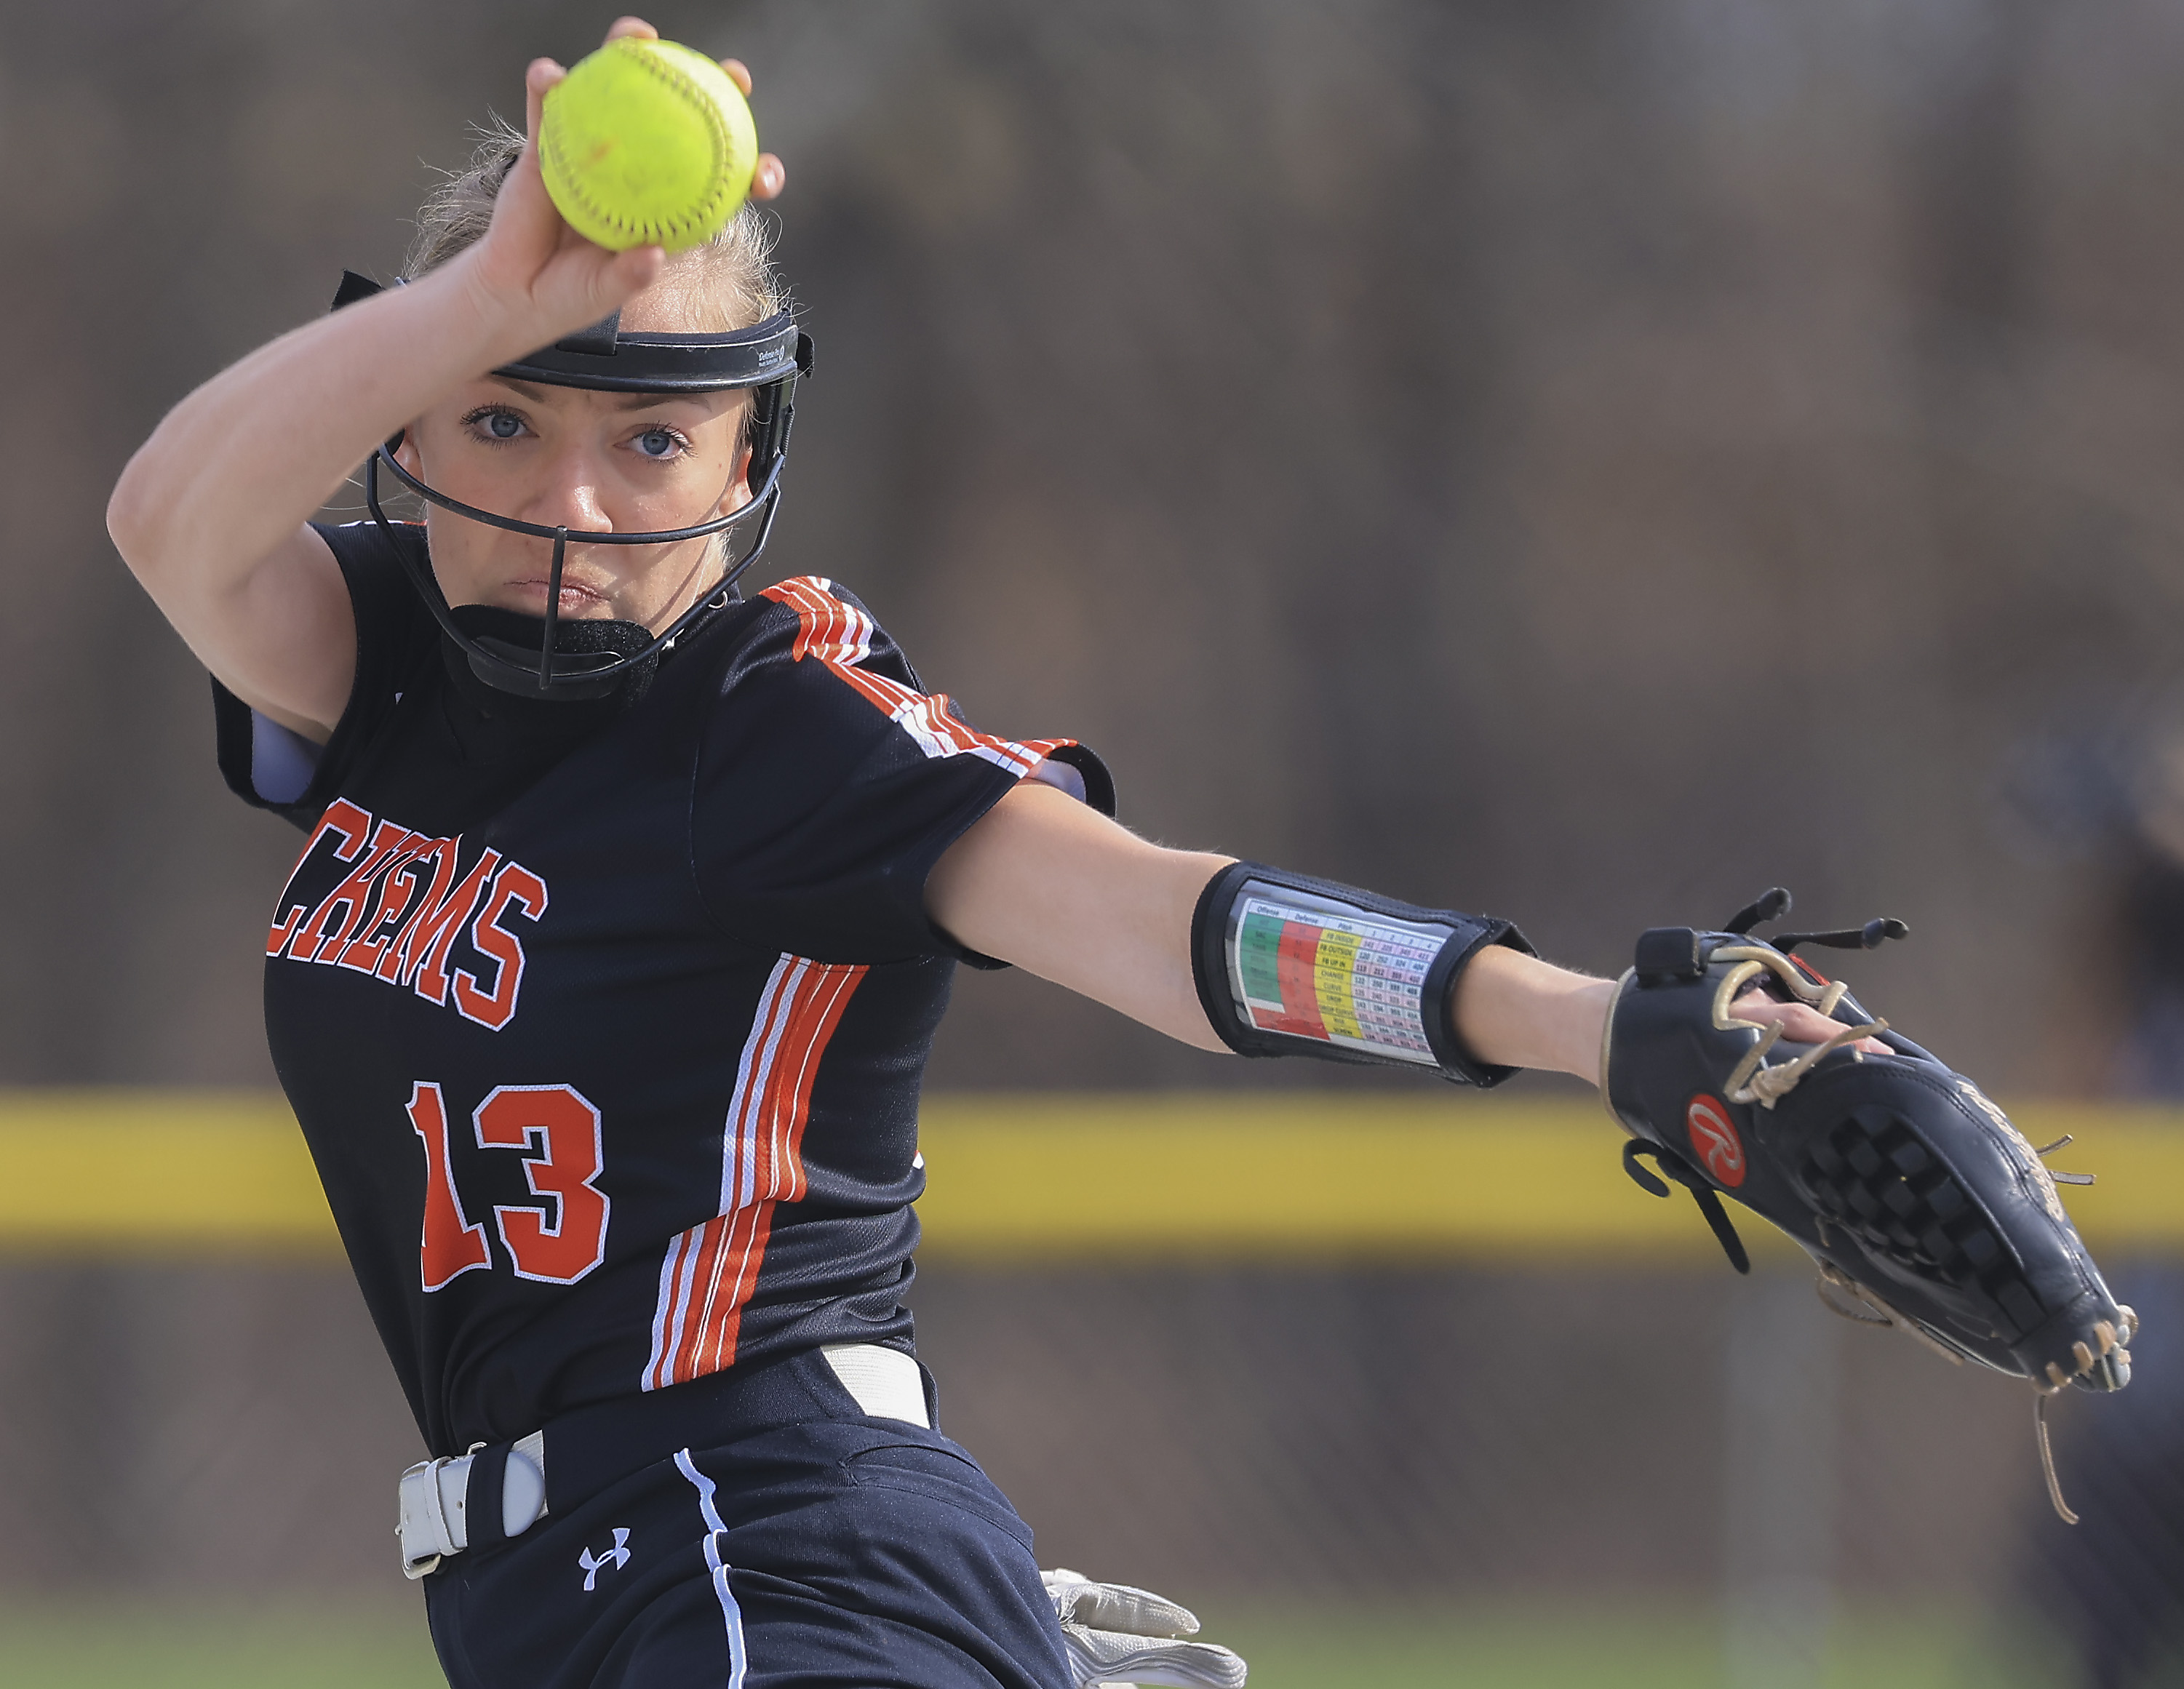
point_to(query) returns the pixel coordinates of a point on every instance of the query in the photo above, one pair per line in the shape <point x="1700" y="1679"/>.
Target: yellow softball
<point x="646" y="144"/>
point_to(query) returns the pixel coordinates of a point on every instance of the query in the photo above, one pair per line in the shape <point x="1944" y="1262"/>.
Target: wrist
<point x="502" y="324"/>
<point x="1513" y="1010"/>
<point x="1589" y="1005"/>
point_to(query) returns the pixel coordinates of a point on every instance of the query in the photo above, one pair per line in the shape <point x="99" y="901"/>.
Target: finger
<point x="540" y="74"/>
<point x="739" y="74"/>
<point x="624" y="27"/>
<point x="1800" y="1023"/>
<point x="768" y="177"/>
<point x="634" y="270"/>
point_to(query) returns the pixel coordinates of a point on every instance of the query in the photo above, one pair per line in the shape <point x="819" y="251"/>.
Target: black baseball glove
<point x="1925" y="1208"/>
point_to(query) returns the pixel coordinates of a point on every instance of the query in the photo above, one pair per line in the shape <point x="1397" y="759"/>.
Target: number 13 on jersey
<point x="558" y="1130"/>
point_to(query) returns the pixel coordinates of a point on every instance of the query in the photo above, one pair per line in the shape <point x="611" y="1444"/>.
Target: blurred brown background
<point x="1586" y="461"/>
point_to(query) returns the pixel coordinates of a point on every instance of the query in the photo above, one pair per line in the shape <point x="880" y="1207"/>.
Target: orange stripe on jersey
<point x="710" y="1272"/>
<point x="840" y="636"/>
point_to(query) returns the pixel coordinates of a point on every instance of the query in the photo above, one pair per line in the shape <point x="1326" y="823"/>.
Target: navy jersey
<point x="605" y="1022"/>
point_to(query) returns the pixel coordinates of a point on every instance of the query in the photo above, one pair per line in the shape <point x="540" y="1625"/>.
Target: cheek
<point x="457" y="550"/>
<point x="465" y="475"/>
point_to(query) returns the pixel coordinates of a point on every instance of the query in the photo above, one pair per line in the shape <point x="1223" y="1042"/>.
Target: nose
<point x="569" y="491"/>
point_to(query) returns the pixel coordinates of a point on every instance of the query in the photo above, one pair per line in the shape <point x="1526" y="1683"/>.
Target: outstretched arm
<point x="1053" y="886"/>
<point x="1061" y="891"/>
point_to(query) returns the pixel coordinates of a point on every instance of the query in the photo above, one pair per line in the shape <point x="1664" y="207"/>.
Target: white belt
<point x="435" y="1501"/>
<point x="434" y="1521"/>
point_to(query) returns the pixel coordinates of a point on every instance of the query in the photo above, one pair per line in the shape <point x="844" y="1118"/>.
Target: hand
<point x="532" y="277"/>
<point x="1801" y="1022"/>
<point x="1516" y="1011"/>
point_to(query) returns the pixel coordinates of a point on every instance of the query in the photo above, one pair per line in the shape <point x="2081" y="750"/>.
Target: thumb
<point x="631" y="272"/>
<point x="591" y="283"/>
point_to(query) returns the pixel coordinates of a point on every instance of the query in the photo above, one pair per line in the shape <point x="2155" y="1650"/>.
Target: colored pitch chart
<point x="1344" y="980"/>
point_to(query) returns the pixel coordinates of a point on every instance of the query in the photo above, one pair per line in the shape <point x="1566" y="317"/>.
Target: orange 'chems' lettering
<point x="395" y="964"/>
<point x="320" y="940"/>
<point x="425" y="945"/>
<point x="515" y="883"/>
<point x="396" y="914"/>
<point x="344" y="820"/>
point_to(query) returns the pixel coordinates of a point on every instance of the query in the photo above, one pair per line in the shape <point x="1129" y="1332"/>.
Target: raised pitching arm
<point x="211" y="513"/>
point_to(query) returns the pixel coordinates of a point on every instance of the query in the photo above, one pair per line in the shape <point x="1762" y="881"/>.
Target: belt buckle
<point x="433" y="1520"/>
<point x="426" y="1534"/>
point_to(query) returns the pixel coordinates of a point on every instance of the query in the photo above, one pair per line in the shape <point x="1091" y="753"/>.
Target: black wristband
<point x="1288" y="965"/>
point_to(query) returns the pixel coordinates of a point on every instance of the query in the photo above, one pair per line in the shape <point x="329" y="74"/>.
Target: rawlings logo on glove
<point x="1921" y="1203"/>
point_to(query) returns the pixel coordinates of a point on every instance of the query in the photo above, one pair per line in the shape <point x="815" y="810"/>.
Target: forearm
<point x="1068" y="895"/>
<point x="1062" y="892"/>
<point x="241" y="464"/>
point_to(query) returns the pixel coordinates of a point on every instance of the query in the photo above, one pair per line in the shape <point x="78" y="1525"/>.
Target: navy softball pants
<point x="794" y="1543"/>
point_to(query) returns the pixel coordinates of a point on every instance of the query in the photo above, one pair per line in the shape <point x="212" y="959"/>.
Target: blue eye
<point x="658" y="443"/>
<point x="503" y="427"/>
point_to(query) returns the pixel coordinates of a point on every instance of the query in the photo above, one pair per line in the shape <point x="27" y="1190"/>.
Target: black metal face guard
<point x="765" y="359"/>
<point x="565" y="674"/>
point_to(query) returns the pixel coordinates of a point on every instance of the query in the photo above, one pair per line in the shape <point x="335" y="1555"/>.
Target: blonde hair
<point x="726" y="284"/>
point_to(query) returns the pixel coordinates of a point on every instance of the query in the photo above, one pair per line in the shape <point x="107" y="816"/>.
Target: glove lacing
<point x="1753" y="1081"/>
<point x="2113" y="1341"/>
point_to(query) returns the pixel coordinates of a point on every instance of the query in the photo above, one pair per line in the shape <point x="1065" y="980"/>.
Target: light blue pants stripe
<point x="715" y="1530"/>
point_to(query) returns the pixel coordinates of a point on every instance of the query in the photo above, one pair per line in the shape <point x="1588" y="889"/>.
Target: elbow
<point x="132" y="519"/>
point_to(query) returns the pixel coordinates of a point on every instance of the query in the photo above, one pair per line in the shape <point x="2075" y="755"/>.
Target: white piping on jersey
<point x="707" y="1273"/>
<point x="784" y="1174"/>
<point x="840" y="635"/>
<point x="859" y="644"/>
<point x="738" y="1165"/>
<point x="916" y="716"/>
<point x="675" y="1272"/>
<point x="715" y="1530"/>
<point x="752" y="1067"/>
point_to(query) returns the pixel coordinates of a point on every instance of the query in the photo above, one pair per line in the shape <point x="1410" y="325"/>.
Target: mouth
<point x="528" y="593"/>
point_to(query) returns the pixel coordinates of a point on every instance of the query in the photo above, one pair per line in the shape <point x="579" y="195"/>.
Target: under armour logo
<point x="593" y="1564"/>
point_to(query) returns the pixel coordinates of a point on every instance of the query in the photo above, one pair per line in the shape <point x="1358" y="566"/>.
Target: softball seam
<point x="680" y="82"/>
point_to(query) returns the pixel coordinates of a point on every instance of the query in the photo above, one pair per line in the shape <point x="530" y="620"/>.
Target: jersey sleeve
<point x="829" y="782"/>
<point x="271" y="767"/>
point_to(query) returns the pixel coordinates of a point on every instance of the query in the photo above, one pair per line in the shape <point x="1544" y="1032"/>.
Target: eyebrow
<point x="621" y="401"/>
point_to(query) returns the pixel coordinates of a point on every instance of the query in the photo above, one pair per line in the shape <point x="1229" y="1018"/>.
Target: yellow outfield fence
<point x="1319" y="1176"/>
